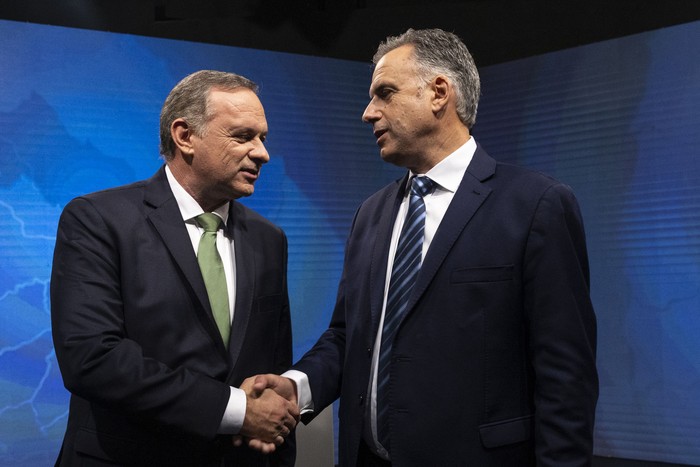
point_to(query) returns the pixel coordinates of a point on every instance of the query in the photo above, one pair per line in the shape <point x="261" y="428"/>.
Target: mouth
<point x="251" y="173"/>
<point x="379" y="133"/>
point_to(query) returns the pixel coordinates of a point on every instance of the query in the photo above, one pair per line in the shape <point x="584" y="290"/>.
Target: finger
<point x="262" y="382"/>
<point x="284" y="432"/>
<point x="237" y="440"/>
<point x="247" y="383"/>
<point x="261" y="446"/>
<point x="290" y="421"/>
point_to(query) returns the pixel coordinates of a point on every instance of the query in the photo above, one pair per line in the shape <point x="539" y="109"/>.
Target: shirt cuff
<point x="234" y="414"/>
<point x="305" y="402"/>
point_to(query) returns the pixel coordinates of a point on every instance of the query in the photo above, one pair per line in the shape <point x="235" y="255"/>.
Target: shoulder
<point x="541" y="197"/>
<point x="116" y="193"/>
<point x="529" y="183"/>
<point x="130" y="200"/>
<point x="523" y="175"/>
<point x="521" y="188"/>
<point x="119" y="201"/>
<point x="497" y="174"/>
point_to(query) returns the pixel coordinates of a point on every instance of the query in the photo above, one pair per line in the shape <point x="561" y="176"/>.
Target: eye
<point x="384" y="93"/>
<point x="241" y="137"/>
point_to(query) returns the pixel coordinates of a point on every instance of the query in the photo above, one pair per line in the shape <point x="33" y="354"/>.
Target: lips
<point x="252" y="173"/>
<point x="379" y="133"/>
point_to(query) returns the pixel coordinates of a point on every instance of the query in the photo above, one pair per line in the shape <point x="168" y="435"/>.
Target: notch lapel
<point x="468" y="198"/>
<point x="245" y="277"/>
<point x="380" y="251"/>
<point x="166" y="218"/>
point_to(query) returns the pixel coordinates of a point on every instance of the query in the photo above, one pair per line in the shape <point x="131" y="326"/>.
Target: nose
<point x="259" y="153"/>
<point x="371" y="114"/>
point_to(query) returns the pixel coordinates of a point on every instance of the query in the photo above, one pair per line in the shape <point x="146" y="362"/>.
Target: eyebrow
<point x="382" y="86"/>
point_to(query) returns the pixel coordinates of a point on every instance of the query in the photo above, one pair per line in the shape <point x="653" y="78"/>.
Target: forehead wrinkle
<point x="400" y="66"/>
<point x="380" y="80"/>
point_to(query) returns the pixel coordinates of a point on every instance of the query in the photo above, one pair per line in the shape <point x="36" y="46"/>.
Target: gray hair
<point x="440" y="52"/>
<point x="189" y="100"/>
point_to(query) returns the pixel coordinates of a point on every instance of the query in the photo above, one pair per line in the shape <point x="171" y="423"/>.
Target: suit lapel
<point x="167" y="220"/>
<point x="380" y="252"/>
<point x="467" y="199"/>
<point x="245" y="277"/>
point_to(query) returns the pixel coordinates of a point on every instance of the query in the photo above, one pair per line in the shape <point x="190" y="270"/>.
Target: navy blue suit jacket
<point x="135" y="337"/>
<point x="494" y="363"/>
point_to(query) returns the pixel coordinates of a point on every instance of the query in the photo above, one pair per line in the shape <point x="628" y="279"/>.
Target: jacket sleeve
<point x="98" y="360"/>
<point x="562" y="331"/>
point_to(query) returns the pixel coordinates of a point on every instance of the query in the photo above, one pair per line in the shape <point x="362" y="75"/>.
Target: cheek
<point x="233" y="154"/>
<point x="402" y="128"/>
<point x="414" y="122"/>
<point x="406" y="120"/>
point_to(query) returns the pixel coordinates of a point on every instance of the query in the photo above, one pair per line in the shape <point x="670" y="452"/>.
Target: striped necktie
<point x="407" y="262"/>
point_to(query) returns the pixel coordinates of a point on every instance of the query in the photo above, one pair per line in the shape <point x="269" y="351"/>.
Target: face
<point x="400" y="109"/>
<point x="229" y="153"/>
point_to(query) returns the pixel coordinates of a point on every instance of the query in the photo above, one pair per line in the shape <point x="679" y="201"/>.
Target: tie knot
<point x="422" y="185"/>
<point x="210" y="222"/>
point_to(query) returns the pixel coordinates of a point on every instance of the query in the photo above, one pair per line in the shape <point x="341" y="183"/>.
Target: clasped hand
<point x="271" y="412"/>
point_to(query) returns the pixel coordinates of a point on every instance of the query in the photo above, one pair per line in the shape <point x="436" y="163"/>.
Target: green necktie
<point x="213" y="273"/>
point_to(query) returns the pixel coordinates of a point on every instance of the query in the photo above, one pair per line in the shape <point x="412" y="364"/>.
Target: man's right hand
<point x="285" y="387"/>
<point x="271" y="411"/>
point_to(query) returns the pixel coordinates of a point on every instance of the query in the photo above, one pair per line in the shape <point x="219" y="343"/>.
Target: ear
<point x="442" y="90"/>
<point x="182" y="134"/>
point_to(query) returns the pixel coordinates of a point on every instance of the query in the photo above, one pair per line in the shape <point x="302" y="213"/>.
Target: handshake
<point x="271" y="412"/>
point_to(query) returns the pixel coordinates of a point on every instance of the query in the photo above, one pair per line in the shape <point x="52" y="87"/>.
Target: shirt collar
<point x="189" y="208"/>
<point x="448" y="173"/>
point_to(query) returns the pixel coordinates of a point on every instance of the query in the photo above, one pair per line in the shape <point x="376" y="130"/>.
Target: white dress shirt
<point x="190" y="209"/>
<point x="447" y="175"/>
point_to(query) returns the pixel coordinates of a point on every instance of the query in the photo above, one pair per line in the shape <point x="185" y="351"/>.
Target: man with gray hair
<point x="463" y="332"/>
<point x="167" y="293"/>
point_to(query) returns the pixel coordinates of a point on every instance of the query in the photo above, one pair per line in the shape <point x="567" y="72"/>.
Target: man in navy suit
<point x="492" y="361"/>
<point x="153" y="380"/>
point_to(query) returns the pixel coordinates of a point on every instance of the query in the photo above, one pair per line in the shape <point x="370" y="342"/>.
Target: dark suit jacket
<point x="494" y="363"/>
<point x="134" y="334"/>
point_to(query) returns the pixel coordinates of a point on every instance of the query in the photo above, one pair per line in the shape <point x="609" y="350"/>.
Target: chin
<point x="391" y="157"/>
<point x="385" y="155"/>
<point x="244" y="191"/>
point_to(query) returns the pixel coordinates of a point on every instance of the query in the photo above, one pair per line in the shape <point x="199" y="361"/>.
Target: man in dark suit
<point x="480" y="349"/>
<point x="153" y="375"/>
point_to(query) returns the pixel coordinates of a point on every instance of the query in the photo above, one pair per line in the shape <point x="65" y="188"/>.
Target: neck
<point x="188" y="183"/>
<point x="444" y="144"/>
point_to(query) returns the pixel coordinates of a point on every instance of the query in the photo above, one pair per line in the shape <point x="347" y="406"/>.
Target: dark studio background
<point x="495" y="30"/>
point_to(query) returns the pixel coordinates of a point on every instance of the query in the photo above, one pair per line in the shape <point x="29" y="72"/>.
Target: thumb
<point x="263" y="382"/>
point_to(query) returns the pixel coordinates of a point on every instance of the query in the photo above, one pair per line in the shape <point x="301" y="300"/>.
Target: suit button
<point x="361" y="398"/>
